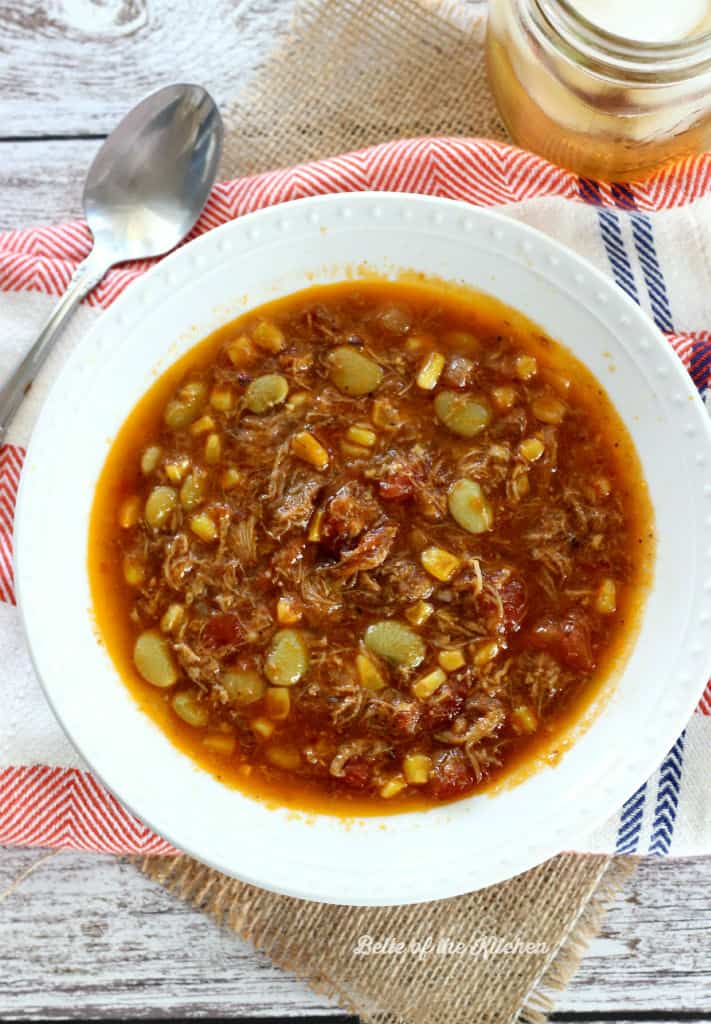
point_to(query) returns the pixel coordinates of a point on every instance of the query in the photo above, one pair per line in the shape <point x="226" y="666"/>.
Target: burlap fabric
<point x="353" y="73"/>
<point x="356" y="72"/>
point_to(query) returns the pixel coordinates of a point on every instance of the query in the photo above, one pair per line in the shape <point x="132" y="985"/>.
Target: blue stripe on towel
<point x="643" y="235"/>
<point x="611" y="234"/>
<point x="667" y="800"/>
<point x="670" y="773"/>
<point x="630" y="826"/>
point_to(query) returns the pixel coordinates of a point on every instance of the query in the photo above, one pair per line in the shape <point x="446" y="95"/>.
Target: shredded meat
<point x="296" y="507"/>
<point x="481" y="718"/>
<point x="370" y="552"/>
<point x="344" y="613"/>
<point x="391" y="713"/>
<point x="350" y="511"/>
<point x="363" y="750"/>
<point x="458" y="373"/>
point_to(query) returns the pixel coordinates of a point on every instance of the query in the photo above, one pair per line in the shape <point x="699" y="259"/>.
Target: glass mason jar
<point x="601" y="105"/>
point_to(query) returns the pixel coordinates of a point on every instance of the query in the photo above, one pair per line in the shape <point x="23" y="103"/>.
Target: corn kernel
<point x="385" y="414"/>
<point x="354" y="451"/>
<point x="560" y="381"/>
<point x="314" y="534"/>
<point x="287" y="611"/>
<point x="504" y="397"/>
<point x="287" y="758"/>
<point x="430" y="371"/>
<point x="392" y="787"/>
<point x="230" y="478"/>
<point x="450" y="661"/>
<point x="277" y="702"/>
<point x="415" y="343"/>
<point x="172" y="618"/>
<point x="306" y="447"/>
<point x="523" y="720"/>
<point x="531" y="448"/>
<point x="416" y="768"/>
<point x="485" y="651"/>
<point x="129" y="512"/>
<point x="526" y="367"/>
<point x="602" y="487"/>
<point x="419" y="613"/>
<point x="241" y="351"/>
<point x="262" y="728"/>
<point x="548" y="409"/>
<point x="268" y="336"/>
<point x="222" y="399"/>
<point x="440" y="563"/>
<point x="213" y="449"/>
<point x="361" y="435"/>
<point x="427" y="684"/>
<point x="204" y="527"/>
<point x="134" y="570"/>
<point x="499" y="452"/>
<point x="177" y="468"/>
<point x="150" y="459"/>
<point x="369" y="674"/>
<point x="296" y="400"/>
<point x="220" y="743"/>
<point x="202" y="426"/>
<point x="520" y="484"/>
<point x="606" y="599"/>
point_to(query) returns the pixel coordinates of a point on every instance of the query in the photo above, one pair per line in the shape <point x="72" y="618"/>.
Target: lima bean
<point x="159" y="506"/>
<point x="395" y="642"/>
<point x="187" y="706"/>
<point x="153" y="658"/>
<point x="264" y="393"/>
<point x="352" y="372"/>
<point x="243" y="686"/>
<point x="288" y="658"/>
<point x="468" y="506"/>
<point x="186" y="406"/>
<point x="462" y="414"/>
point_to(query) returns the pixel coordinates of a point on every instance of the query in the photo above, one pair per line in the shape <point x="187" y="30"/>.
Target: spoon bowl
<point x="143" y="194"/>
<point x="151" y="178"/>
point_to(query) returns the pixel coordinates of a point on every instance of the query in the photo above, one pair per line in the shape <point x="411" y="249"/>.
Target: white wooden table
<point x="87" y="936"/>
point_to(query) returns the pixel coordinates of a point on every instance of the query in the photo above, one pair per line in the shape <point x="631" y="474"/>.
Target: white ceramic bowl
<point x="401" y="858"/>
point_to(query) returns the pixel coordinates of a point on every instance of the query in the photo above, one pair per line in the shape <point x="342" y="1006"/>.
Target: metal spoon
<point x="144" y="192"/>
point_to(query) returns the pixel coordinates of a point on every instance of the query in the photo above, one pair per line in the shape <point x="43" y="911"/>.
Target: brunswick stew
<point x="370" y="547"/>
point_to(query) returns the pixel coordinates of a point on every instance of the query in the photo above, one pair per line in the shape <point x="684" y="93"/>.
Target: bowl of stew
<point x="377" y="569"/>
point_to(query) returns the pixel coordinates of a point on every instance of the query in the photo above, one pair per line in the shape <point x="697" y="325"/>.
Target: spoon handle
<point x="86" y="276"/>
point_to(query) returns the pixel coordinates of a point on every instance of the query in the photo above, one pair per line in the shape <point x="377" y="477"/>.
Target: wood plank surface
<point x="87" y="936"/>
<point x="41" y="182"/>
<point x="74" y="67"/>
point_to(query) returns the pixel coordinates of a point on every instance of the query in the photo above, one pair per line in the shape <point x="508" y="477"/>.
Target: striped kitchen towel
<point x="654" y="239"/>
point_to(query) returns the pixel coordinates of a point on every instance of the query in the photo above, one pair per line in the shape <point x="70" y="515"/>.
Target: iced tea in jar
<point x="608" y="88"/>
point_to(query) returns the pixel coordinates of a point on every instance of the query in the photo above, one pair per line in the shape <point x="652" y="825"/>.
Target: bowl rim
<point x="362" y="204"/>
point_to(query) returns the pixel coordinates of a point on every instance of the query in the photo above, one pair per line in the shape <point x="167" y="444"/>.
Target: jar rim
<point x="575" y="33"/>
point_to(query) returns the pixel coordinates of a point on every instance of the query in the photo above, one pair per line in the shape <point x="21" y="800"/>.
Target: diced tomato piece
<point x="444" y="706"/>
<point x="451" y="775"/>
<point x="356" y="773"/>
<point x="568" y="639"/>
<point x="397" y="487"/>
<point x="223" y="630"/>
<point x="350" y="511"/>
<point x="514" y="599"/>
